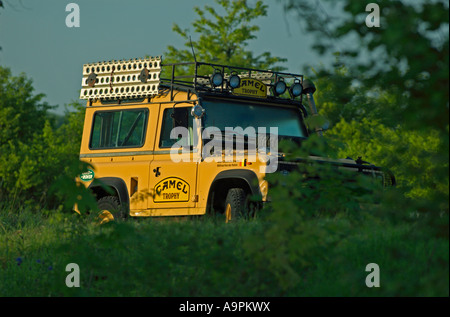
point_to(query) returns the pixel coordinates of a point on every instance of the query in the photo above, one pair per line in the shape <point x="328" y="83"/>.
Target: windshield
<point x="223" y="114"/>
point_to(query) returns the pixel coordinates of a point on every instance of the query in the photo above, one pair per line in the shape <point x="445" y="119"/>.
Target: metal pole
<point x="312" y="107"/>
<point x="309" y="88"/>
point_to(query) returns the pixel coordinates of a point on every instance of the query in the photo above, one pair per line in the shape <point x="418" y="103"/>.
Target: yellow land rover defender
<point x="184" y="145"/>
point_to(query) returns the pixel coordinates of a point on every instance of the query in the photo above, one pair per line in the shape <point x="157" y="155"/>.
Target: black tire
<point x="111" y="204"/>
<point x="235" y="205"/>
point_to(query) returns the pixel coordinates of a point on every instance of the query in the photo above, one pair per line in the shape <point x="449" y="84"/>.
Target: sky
<point x="36" y="41"/>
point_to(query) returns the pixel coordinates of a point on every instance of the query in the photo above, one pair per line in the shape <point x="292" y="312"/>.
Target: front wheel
<point x="235" y="204"/>
<point x="110" y="209"/>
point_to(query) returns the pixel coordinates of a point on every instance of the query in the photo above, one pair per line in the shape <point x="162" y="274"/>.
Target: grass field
<point x="205" y="257"/>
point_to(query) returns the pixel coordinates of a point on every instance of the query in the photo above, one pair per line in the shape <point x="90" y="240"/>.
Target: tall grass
<point x="204" y="257"/>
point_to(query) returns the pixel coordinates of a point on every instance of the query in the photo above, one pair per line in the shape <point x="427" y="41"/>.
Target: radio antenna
<point x="192" y="47"/>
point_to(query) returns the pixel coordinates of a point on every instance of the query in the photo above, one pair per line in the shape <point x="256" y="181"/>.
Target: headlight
<point x="280" y="87"/>
<point x="234" y="81"/>
<point x="296" y="89"/>
<point x="217" y="79"/>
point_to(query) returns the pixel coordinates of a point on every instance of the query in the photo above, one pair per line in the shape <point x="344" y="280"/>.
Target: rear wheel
<point x="235" y="204"/>
<point x="110" y="209"/>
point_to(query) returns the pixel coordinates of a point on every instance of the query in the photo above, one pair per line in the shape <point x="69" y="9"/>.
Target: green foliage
<point x="387" y="97"/>
<point x="361" y="123"/>
<point x="223" y="37"/>
<point x="342" y="96"/>
<point x="409" y="63"/>
<point x="415" y="58"/>
<point x="408" y="153"/>
<point x="308" y="256"/>
<point x="312" y="209"/>
<point x="21" y="112"/>
<point x="21" y="115"/>
<point x="34" y="154"/>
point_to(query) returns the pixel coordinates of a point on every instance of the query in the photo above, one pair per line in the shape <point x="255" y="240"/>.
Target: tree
<point x="21" y="112"/>
<point x="222" y="39"/>
<point x="360" y="122"/>
<point x="406" y="56"/>
<point x="388" y="93"/>
<point x="34" y="154"/>
<point x="340" y="96"/>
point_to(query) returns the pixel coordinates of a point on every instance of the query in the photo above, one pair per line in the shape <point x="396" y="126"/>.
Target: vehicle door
<point x="173" y="171"/>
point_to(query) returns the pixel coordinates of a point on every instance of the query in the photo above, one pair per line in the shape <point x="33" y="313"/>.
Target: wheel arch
<point x="115" y="184"/>
<point x="245" y="179"/>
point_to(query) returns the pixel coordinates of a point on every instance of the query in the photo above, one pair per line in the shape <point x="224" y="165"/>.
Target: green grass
<point x="204" y="257"/>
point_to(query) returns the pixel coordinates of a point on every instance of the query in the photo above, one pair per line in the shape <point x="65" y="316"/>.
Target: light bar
<point x="132" y="78"/>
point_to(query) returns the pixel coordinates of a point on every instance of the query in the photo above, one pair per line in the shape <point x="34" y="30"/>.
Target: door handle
<point x="156" y="171"/>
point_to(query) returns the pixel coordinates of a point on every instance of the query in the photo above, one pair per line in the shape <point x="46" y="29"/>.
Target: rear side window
<point x="119" y="129"/>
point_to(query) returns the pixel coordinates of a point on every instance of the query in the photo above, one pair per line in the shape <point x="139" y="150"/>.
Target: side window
<point x="116" y="129"/>
<point x="175" y="117"/>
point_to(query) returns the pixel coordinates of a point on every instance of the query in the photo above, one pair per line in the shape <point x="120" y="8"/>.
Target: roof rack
<point x="141" y="78"/>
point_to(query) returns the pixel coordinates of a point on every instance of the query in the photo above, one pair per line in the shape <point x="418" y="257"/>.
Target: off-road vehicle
<point x="168" y="145"/>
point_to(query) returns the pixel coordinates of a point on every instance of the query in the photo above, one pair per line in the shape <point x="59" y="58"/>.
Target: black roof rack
<point x="201" y="80"/>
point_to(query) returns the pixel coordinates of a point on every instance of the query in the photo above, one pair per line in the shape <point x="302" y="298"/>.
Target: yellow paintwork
<point x="105" y="216"/>
<point x="135" y="166"/>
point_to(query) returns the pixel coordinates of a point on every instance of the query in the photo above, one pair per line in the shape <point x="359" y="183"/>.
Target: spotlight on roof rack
<point x="217" y="78"/>
<point x="280" y="87"/>
<point x="296" y="89"/>
<point x="234" y="81"/>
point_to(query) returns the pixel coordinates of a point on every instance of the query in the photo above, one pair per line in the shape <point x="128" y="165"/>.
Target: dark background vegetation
<point x="385" y="99"/>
